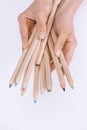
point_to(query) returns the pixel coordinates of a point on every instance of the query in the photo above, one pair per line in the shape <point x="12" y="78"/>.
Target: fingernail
<point x="58" y="53"/>
<point x="42" y="35"/>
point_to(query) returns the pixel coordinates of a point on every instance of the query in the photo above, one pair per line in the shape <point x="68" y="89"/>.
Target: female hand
<point x="63" y="23"/>
<point x="37" y="12"/>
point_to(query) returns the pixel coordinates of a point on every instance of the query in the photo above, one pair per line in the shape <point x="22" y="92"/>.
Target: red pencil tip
<point x="23" y="91"/>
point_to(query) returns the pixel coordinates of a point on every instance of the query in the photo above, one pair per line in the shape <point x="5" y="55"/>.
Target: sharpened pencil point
<point x="23" y="91"/>
<point x="35" y="101"/>
<point x="15" y="84"/>
<point x="49" y="90"/>
<point x="72" y="87"/>
<point x="64" y="89"/>
<point x="10" y="85"/>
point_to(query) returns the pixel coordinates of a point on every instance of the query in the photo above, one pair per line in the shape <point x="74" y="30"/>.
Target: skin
<point x="39" y="11"/>
<point x="64" y="23"/>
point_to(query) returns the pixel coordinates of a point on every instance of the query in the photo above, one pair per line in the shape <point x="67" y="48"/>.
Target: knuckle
<point x="20" y="17"/>
<point x="40" y="14"/>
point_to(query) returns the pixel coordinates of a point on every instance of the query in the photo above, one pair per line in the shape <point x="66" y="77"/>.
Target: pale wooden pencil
<point x="13" y="78"/>
<point x="27" y="59"/>
<point x="62" y="58"/>
<point x="29" y="69"/>
<point x="49" y="25"/>
<point x="42" y="76"/>
<point x="36" y="83"/>
<point x="48" y="69"/>
<point x="66" y="69"/>
<point x="57" y="64"/>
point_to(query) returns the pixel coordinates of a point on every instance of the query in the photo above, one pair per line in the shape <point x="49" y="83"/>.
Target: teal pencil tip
<point x="72" y="87"/>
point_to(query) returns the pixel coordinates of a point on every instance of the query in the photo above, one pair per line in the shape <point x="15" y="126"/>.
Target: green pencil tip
<point x="72" y="87"/>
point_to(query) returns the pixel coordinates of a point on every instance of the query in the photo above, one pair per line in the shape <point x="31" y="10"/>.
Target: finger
<point x="41" y="24"/>
<point x="63" y="36"/>
<point x="23" y="25"/>
<point x="52" y="66"/>
<point x="69" y="51"/>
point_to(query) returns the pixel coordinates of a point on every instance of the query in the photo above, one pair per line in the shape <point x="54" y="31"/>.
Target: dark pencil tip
<point x="49" y="90"/>
<point x="64" y="89"/>
<point x="10" y="85"/>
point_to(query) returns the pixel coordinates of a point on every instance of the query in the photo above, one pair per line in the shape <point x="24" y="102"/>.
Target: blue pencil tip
<point x="35" y="101"/>
<point x="16" y="84"/>
<point x="72" y="87"/>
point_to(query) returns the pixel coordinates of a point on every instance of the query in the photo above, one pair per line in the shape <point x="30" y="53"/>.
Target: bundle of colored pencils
<point x="39" y="55"/>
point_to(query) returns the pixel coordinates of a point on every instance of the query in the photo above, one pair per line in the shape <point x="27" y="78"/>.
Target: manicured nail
<point x="58" y="52"/>
<point x="42" y="35"/>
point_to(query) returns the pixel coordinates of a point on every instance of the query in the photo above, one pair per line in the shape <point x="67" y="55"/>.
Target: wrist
<point x="70" y="6"/>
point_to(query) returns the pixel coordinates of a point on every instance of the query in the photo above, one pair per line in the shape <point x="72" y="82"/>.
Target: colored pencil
<point x="48" y="69"/>
<point x="49" y="25"/>
<point x="27" y="59"/>
<point x="57" y="64"/>
<point x="16" y="71"/>
<point x="29" y="69"/>
<point x="42" y="76"/>
<point x="62" y="58"/>
<point x="36" y="83"/>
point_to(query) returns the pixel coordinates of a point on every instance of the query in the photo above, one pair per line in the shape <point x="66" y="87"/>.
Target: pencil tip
<point x="10" y="85"/>
<point x="72" y="87"/>
<point x="15" y="84"/>
<point x="35" y="101"/>
<point x="64" y="89"/>
<point x="49" y="90"/>
<point x="23" y="91"/>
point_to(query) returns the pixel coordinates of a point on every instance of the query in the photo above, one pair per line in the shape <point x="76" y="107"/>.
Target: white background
<point x="57" y="110"/>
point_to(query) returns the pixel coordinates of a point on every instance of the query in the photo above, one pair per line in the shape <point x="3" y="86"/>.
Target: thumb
<point x="41" y="24"/>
